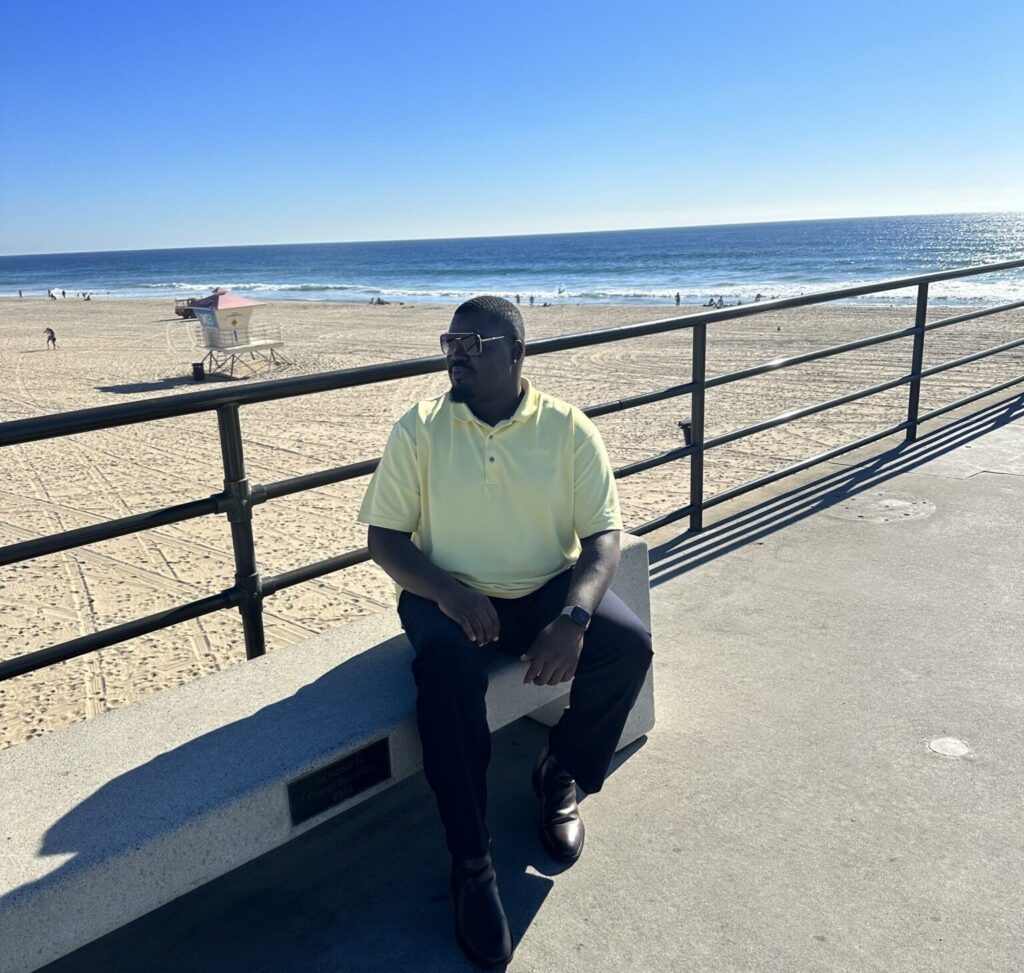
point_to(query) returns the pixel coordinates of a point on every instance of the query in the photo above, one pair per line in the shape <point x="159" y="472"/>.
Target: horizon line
<point x="500" y="236"/>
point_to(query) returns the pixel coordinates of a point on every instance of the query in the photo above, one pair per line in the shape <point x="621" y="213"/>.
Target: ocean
<point x="736" y="262"/>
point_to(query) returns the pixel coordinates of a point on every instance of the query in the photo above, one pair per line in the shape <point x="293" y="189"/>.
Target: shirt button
<point x="492" y="459"/>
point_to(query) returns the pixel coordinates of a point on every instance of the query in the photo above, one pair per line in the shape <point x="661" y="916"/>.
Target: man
<point x="51" y="338"/>
<point x="513" y="502"/>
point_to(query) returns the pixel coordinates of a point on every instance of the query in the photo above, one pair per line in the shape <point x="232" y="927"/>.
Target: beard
<point x="459" y="393"/>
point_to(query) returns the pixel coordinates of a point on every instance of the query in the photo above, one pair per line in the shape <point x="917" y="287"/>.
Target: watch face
<point x="580" y="616"/>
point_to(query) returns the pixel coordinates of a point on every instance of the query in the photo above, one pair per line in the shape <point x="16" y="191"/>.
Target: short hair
<point x="497" y="309"/>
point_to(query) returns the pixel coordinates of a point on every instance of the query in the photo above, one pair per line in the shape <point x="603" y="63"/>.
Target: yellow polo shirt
<point x="501" y="508"/>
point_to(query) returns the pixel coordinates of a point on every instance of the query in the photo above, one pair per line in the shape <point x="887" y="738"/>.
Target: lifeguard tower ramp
<point x="223" y="328"/>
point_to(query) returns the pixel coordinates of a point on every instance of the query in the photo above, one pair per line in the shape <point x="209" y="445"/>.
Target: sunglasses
<point x="469" y="343"/>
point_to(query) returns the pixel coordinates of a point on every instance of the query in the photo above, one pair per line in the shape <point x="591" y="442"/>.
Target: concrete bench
<point x="109" y="819"/>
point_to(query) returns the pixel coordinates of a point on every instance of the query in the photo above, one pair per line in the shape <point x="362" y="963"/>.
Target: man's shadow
<point x="366" y="890"/>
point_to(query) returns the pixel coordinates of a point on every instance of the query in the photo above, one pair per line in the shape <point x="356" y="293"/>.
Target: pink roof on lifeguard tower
<point x="222" y="301"/>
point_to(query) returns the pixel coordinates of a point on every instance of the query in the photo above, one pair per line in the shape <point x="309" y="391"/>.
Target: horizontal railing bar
<point x="808" y="356"/>
<point x="631" y="403"/>
<point x="39" y="547"/>
<point x="189" y="403"/>
<point x="119" y="633"/>
<point x="316" y="570"/>
<point x="80" y="536"/>
<point x="730" y="494"/>
<point x="165" y="407"/>
<point x="969" y="399"/>
<point x="309" y="481"/>
<point x="663" y="521"/>
<point x="984" y="312"/>
<point x="810" y="410"/>
<point x="967" y="359"/>
<point x="648" y="464"/>
<point x="233" y="596"/>
<point x="802" y="465"/>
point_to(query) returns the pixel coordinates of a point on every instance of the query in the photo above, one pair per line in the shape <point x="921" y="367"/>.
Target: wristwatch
<point x="577" y="614"/>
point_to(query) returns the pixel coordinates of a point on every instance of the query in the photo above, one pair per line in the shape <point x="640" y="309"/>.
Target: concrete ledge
<point x="109" y="819"/>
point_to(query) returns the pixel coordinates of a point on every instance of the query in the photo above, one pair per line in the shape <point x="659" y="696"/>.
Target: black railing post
<point x="236" y="484"/>
<point x="917" y="361"/>
<point x="700" y="337"/>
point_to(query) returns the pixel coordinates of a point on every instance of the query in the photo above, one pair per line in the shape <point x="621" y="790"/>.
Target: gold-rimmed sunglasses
<point x="469" y="342"/>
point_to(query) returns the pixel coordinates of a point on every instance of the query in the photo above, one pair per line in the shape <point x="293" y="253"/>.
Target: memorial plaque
<point x="336" y="782"/>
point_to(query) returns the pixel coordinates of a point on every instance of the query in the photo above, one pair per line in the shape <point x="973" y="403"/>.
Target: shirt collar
<point x="528" y="405"/>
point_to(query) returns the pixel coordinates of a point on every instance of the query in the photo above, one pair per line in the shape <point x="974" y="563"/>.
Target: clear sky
<point x="142" y="124"/>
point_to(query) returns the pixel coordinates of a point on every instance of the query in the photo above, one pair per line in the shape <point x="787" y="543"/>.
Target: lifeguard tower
<point x="223" y="327"/>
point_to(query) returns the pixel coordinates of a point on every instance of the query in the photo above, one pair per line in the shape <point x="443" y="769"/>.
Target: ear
<point x="518" y="351"/>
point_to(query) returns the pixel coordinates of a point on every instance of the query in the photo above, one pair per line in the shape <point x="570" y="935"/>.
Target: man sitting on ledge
<point x="514" y="505"/>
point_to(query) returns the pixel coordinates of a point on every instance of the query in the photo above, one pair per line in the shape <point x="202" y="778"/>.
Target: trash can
<point x="198" y="372"/>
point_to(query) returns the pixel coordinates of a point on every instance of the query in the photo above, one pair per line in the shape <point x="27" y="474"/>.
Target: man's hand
<point x="554" y="654"/>
<point x="472" y="611"/>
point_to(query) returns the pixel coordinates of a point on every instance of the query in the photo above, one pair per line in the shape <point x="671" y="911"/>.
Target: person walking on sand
<point x="677" y="298"/>
<point x="51" y="338"/>
<point x="513" y="501"/>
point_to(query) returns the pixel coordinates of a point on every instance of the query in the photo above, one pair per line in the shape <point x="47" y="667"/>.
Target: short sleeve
<point x="392" y="499"/>
<point x="595" y="497"/>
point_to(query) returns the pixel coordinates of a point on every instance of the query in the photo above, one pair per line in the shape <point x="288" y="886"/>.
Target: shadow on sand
<point x="131" y="388"/>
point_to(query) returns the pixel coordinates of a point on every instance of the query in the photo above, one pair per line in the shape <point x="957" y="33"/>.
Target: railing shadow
<point x="687" y="551"/>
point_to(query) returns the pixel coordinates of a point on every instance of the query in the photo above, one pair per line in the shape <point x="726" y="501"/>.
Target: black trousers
<point x="451" y="674"/>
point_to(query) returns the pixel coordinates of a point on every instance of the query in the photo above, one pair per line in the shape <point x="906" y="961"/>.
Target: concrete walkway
<point x="786" y="813"/>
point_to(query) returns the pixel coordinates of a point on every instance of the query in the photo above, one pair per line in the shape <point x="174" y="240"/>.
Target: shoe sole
<point x="477" y="960"/>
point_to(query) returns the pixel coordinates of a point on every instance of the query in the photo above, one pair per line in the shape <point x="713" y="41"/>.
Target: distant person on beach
<point x="51" y="338"/>
<point x="514" y="504"/>
<point x="758" y="297"/>
<point x="64" y="295"/>
<point x="531" y="300"/>
<point x="677" y="298"/>
<point x="19" y="292"/>
<point x="517" y="298"/>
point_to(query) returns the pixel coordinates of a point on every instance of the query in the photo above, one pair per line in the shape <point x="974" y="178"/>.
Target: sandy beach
<point x="121" y="351"/>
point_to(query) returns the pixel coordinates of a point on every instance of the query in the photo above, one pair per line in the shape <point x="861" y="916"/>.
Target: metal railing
<point x="240" y="495"/>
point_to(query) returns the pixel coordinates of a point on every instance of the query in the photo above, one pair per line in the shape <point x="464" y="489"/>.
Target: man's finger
<point x="480" y="628"/>
<point x="557" y="676"/>
<point x="486" y="628"/>
<point x="470" y="629"/>
<point x="495" y="621"/>
<point x="543" y="675"/>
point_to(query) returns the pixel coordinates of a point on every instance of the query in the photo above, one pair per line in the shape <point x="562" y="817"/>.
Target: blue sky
<point x="134" y="125"/>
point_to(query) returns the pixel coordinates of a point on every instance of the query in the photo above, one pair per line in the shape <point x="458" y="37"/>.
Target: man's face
<point x="476" y="376"/>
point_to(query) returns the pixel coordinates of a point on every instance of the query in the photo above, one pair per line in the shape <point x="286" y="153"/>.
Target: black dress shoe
<point x="561" y="828"/>
<point x="481" y="929"/>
